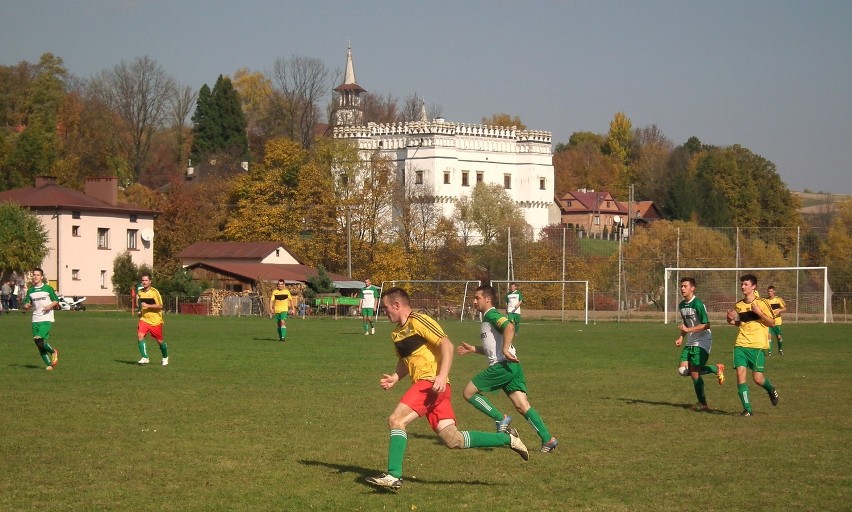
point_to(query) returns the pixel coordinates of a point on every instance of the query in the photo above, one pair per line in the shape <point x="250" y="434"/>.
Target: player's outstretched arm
<point x="466" y="348"/>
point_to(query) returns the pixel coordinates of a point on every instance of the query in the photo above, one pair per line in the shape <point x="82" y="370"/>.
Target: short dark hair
<point x="282" y="281"/>
<point x="487" y="291"/>
<point x="39" y="269"/>
<point x="749" y="277"/>
<point x="145" y="275"/>
<point x="690" y="280"/>
<point x="770" y="287"/>
<point x="397" y="293"/>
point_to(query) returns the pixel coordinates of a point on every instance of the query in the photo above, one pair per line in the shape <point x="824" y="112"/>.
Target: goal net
<point x="442" y="300"/>
<point x="805" y="290"/>
<point x="562" y="300"/>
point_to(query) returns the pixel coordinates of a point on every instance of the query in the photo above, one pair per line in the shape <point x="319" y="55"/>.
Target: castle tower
<point x="347" y="110"/>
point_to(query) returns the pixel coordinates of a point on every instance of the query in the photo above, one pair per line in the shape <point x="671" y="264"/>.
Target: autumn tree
<point x="414" y="107"/>
<point x="837" y="247"/>
<point x="255" y="91"/>
<point x="619" y="141"/>
<point x="138" y="92"/>
<point x="505" y="120"/>
<point x="583" y="165"/>
<point x="23" y="239"/>
<point x="298" y="86"/>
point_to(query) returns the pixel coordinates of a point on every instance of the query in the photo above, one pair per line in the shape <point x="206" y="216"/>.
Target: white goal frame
<point x="826" y="299"/>
<point x="563" y="283"/>
<point x="397" y="282"/>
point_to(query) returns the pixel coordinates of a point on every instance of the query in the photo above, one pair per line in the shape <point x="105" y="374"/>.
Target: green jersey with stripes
<point x="493" y="324"/>
<point x="40" y="296"/>
<point x="369" y="295"/>
<point x="694" y="313"/>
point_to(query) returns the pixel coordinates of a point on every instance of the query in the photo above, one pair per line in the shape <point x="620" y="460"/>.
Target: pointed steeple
<point x="348" y="108"/>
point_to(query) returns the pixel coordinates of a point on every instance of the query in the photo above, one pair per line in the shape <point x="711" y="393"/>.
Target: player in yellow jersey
<point x="425" y="354"/>
<point x="150" y="319"/>
<point x="280" y="305"/>
<point x="753" y="316"/>
<point x="778" y="306"/>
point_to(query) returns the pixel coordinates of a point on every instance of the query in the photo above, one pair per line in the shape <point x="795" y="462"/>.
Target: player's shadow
<point x="634" y="401"/>
<point x="125" y="361"/>
<point x="266" y="339"/>
<point x="27" y="366"/>
<point x="361" y="473"/>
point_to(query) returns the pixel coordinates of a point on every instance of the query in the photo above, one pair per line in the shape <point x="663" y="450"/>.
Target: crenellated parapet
<point x="439" y="133"/>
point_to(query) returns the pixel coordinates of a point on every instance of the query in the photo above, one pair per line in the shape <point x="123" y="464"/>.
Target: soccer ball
<point x="683" y="371"/>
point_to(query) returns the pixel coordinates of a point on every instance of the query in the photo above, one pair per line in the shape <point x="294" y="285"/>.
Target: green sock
<point x="710" y="368"/>
<point x="476" y="439"/>
<point x="780" y="345"/>
<point x="742" y="391"/>
<point x="484" y="405"/>
<point x="283" y="331"/>
<point x="698" y="384"/>
<point x="280" y="334"/>
<point x="768" y="385"/>
<point x="142" y="349"/>
<point x="366" y="327"/>
<point x="534" y="419"/>
<point x="396" y="451"/>
<point x="164" y="348"/>
<point x="45" y="356"/>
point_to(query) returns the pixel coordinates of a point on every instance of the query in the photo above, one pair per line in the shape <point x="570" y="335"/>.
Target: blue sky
<point x="773" y="76"/>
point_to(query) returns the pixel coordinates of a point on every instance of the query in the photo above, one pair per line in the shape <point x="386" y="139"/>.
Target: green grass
<point x="597" y="247"/>
<point x="239" y="421"/>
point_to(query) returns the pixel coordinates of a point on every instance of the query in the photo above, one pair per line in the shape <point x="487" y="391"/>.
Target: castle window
<point x="418" y="177"/>
<point x="507" y="181"/>
<point x="465" y="179"/>
<point x="446" y="177"/>
<point x="542" y="184"/>
<point x="480" y="176"/>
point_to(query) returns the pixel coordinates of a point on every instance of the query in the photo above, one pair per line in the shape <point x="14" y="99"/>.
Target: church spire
<point x="348" y="105"/>
<point x="349" y="78"/>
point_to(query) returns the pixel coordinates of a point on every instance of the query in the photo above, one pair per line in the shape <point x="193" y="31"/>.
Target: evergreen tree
<point x="219" y="125"/>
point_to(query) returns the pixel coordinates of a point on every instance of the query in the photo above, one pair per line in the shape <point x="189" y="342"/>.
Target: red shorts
<point x="425" y="402"/>
<point x="156" y="331"/>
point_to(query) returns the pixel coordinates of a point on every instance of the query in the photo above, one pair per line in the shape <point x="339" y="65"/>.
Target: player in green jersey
<point x="504" y="370"/>
<point x="368" y="295"/>
<point x="697" y="340"/>
<point x="42" y="298"/>
<point x="514" y="299"/>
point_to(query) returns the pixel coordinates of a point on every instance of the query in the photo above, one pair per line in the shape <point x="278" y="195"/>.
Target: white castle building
<point x="448" y="159"/>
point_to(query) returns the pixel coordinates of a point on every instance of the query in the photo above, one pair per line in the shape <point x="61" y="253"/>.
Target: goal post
<point x="559" y="296"/>
<point x="805" y="290"/>
<point x="438" y="298"/>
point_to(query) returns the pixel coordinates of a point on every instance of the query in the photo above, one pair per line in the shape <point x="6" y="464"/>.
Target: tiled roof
<point x="236" y="250"/>
<point x="53" y="196"/>
<point x="268" y="271"/>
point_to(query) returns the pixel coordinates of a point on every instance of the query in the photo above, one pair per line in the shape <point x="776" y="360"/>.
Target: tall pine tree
<point x="219" y="125"/>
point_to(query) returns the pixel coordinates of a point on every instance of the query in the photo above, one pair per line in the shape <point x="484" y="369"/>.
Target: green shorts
<point x="280" y="317"/>
<point x="368" y="312"/>
<point x="515" y="318"/>
<point x="504" y="375"/>
<point x="776" y="330"/>
<point x="696" y="356"/>
<point x="752" y="358"/>
<point x="42" y="330"/>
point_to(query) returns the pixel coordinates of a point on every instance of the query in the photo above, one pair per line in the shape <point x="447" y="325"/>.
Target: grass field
<point x="239" y="421"/>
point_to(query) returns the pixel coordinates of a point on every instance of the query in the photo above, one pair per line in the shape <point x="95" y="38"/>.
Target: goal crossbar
<point x="826" y="299"/>
<point x="563" y="283"/>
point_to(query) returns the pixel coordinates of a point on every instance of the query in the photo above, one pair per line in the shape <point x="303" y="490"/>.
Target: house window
<point x="608" y="204"/>
<point x="570" y="203"/>
<point x="480" y="176"/>
<point x="75" y="274"/>
<point x="507" y="181"/>
<point x="418" y="177"/>
<point x="103" y="279"/>
<point x="131" y="238"/>
<point x="75" y="230"/>
<point x="446" y="177"/>
<point x="134" y="218"/>
<point x="103" y="238"/>
<point x="541" y="184"/>
<point x="75" y="215"/>
<point x="597" y="220"/>
<point x="465" y="180"/>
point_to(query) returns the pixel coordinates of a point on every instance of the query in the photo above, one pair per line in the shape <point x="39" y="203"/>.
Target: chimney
<point x="43" y="181"/>
<point x="104" y="189"/>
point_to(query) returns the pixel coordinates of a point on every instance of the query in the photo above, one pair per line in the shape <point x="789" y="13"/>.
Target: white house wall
<point x="69" y="253"/>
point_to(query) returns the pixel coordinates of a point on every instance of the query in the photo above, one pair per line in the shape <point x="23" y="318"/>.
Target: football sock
<point x="366" y="327"/>
<point x="534" y="419"/>
<point x="710" y="368"/>
<point x="280" y="334"/>
<point x="768" y="385"/>
<point x="283" y="331"/>
<point x="45" y="356"/>
<point x="742" y="391"/>
<point x="478" y="439"/>
<point x="698" y="384"/>
<point x="143" y="350"/>
<point x="484" y="405"/>
<point x="780" y="344"/>
<point x="164" y="348"/>
<point x="396" y="451"/>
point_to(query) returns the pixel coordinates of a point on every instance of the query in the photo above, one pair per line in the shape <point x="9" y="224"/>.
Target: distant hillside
<point x="813" y="201"/>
